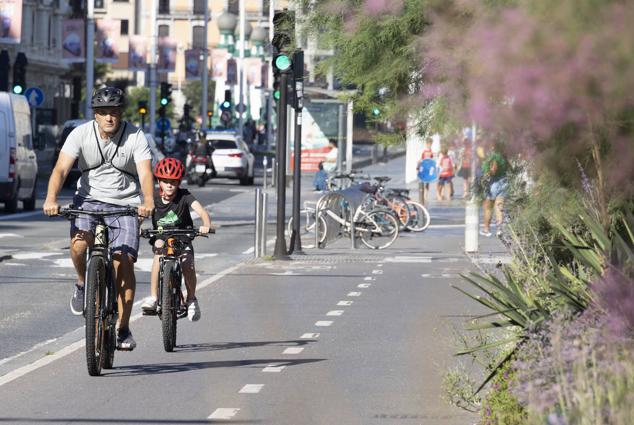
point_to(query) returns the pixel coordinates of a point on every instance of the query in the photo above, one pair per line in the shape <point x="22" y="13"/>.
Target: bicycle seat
<point x="382" y="179"/>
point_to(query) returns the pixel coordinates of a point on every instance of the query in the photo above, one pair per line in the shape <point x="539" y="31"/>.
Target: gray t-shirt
<point x="110" y="175"/>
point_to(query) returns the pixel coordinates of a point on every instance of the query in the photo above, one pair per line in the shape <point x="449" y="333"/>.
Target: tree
<point x="193" y="94"/>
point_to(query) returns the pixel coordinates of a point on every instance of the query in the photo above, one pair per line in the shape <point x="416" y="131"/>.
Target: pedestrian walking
<point x="445" y="175"/>
<point x="494" y="184"/>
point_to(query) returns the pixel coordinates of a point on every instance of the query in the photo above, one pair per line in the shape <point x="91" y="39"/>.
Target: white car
<point x="232" y="157"/>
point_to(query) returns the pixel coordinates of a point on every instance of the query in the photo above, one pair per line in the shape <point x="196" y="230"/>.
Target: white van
<point x="18" y="164"/>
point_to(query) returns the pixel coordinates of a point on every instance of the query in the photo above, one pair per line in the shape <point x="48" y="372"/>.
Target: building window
<point x="233" y="6"/>
<point x="164" y="7"/>
<point x="163" y="31"/>
<point x="125" y="27"/>
<point x="198" y="37"/>
<point x="199" y="7"/>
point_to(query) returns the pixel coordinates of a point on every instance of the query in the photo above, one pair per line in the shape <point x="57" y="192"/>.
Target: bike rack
<point x="337" y="201"/>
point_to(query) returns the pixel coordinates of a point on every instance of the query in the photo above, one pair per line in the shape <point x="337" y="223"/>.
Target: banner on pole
<point x="192" y="64"/>
<point x="253" y="71"/>
<point x="167" y="55"/>
<point x="107" y="35"/>
<point x="10" y="21"/>
<point x="73" y="31"/>
<point x="137" y="52"/>
<point x="219" y="64"/>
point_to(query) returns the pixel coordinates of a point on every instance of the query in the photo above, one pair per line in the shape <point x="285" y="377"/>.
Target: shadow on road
<point x="232" y="345"/>
<point x="164" y="368"/>
<point x="125" y="421"/>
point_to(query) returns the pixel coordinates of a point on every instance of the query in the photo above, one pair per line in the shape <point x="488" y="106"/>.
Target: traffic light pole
<point x="280" y="152"/>
<point x="205" y="94"/>
<point x="298" y="80"/>
<point x="153" y="68"/>
<point x="90" y="58"/>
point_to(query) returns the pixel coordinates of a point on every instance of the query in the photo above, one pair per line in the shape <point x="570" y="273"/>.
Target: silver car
<point x="232" y="157"/>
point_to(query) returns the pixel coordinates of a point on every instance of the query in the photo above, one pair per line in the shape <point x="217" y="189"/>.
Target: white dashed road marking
<point x="364" y="285"/>
<point x="368" y="278"/>
<point x="354" y="294"/>
<point x="344" y="303"/>
<point x="293" y="350"/>
<point x="273" y="368"/>
<point x="324" y="323"/>
<point x="310" y="336"/>
<point x="224" y="413"/>
<point x="335" y="313"/>
<point x="377" y="271"/>
<point x="251" y="389"/>
<point x="408" y="259"/>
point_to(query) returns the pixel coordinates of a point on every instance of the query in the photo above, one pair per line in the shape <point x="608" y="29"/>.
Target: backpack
<point x="446" y="167"/>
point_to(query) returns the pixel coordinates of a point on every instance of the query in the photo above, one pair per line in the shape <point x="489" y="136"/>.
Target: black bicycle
<point x="100" y="311"/>
<point x="171" y="302"/>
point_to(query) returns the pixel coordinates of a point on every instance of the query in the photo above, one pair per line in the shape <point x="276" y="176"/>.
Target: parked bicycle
<point x="411" y="214"/>
<point x="345" y="180"/>
<point x="100" y="302"/>
<point x="308" y="220"/>
<point x="171" y="302"/>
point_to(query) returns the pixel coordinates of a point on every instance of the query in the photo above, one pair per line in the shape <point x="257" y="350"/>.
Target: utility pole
<point x="205" y="95"/>
<point x="241" y="69"/>
<point x="298" y="81"/>
<point x="280" y="152"/>
<point x="153" y="42"/>
<point x="90" y="58"/>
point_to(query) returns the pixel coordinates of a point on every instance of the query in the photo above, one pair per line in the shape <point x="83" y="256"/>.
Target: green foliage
<point x="135" y="95"/>
<point x="193" y="94"/>
<point x="500" y="406"/>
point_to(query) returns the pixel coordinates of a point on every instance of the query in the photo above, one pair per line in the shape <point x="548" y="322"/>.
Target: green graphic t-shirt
<point x="175" y="214"/>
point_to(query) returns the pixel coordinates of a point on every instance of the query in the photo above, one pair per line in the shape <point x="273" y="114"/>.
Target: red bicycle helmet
<point x="169" y="168"/>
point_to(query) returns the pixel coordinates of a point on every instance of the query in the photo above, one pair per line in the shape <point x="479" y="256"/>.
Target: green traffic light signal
<point x="376" y="112"/>
<point x="276" y="95"/>
<point x="164" y="101"/>
<point x="282" y="62"/>
<point x="18" y="89"/>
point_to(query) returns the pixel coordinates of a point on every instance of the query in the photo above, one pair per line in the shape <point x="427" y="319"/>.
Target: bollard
<point x="258" y="222"/>
<point x="265" y="162"/>
<point x="352" y="229"/>
<point x="274" y="173"/>
<point x="421" y="193"/>
<point x="265" y="219"/>
<point x="375" y="154"/>
<point x="471" y="228"/>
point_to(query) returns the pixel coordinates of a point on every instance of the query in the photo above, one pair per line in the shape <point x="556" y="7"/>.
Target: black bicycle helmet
<point x="108" y="97"/>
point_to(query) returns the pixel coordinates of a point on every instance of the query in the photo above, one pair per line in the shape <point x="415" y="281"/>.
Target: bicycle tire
<point x="380" y="229"/>
<point x="111" y="331"/>
<point x="308" y="229"/>
<point x="169" y="306"/>
<point x="420" y="218"/>
<point x="95" y="319"/>
<point x="401" y="210"/>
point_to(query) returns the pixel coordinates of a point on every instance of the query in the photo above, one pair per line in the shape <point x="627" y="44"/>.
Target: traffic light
<point x="19" y="74"/>
<point x="276" y="89"/>
<point x="376" y="111"/>
<point x="227" y="105"/>
<point x="4" y="70"/>
<point x="142" y="107"/>
<point x="210" y="114"/>
<point x="166" y="91"/>
<point x="283" y="32"/>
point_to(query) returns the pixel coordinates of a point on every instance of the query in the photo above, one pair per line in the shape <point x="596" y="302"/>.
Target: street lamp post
<point x="205" y="94"/>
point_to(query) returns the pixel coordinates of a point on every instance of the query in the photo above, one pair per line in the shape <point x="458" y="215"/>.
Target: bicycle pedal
<point x="149" y="312"/>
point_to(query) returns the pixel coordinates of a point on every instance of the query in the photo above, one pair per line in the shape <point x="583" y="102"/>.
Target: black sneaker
<point x="125" y="342"/>
<point x="77" y="301"/>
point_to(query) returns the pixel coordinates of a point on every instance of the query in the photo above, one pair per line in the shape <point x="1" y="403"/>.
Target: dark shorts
<point x="444" y="180"/>
<point x="122" y="230"/>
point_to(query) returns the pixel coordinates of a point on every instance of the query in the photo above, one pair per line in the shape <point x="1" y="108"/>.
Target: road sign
<point x="428" y="171"/>
<point x="35" y="96"/>
<point x="163" y="124"/>
<point x="241" y="107"/>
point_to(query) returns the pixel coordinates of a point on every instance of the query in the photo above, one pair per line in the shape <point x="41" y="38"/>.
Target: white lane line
<point x="21" y="215"/>
<point x="324" y="323"/>
<point x="273" y="368"/>
<point x="354" y="294"/>
<point x="224" y="413"/>
<point x="17" y="373"/>
<point x="10" y="235"/>
<point x="364" y="285"/>
<point x="377" y="271"/>
<point x="251" y="389"/>
<point x="249" y="251"/>
<point x="368" y="278"/>
<point x="293" y="350"/>
<point x="409" y="259"/>
<point x="379" y="265"/>
<point x="309" y="336"/>
<point x="335" y="313"/>
<point x="35" y="347"/>
<point x="344" y="303"/>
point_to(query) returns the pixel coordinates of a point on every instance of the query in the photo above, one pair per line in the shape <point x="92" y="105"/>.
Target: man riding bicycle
<point x="115" y="161"/>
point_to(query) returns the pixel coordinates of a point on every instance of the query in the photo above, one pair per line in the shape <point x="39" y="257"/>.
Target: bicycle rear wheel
<point x="169" y="305"/>
<point x="378" y="229"/>
<point x="95" y="315"/>
<point x="307" y="229"/>
<point x="401" y="210"/>
<point x="420" y="218"/>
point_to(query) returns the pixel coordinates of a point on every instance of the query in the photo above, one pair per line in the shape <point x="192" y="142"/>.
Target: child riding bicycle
<point x="172" y="205"/>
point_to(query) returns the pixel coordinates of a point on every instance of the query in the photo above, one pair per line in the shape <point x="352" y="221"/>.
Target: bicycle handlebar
<point x="71" y="211"/>
<point x="191" y="233"/>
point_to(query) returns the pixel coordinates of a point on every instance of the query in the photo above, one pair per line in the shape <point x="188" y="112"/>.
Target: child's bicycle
<point x="171" y="303"/>
<point x="100" y="309"/>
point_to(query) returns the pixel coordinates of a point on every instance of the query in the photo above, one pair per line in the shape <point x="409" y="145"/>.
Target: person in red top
<point x="445" y="175"/>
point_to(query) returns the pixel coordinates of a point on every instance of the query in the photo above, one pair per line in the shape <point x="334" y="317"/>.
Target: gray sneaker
<point x="77" y="301"/>
<point x="193" y="311"/>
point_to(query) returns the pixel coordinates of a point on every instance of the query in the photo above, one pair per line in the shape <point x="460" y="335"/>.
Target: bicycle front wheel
<point x="419" y="218"/>
<point x="95" y="315"/>
<point x="169" y="305"/>
<point x="378" y="229"/>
